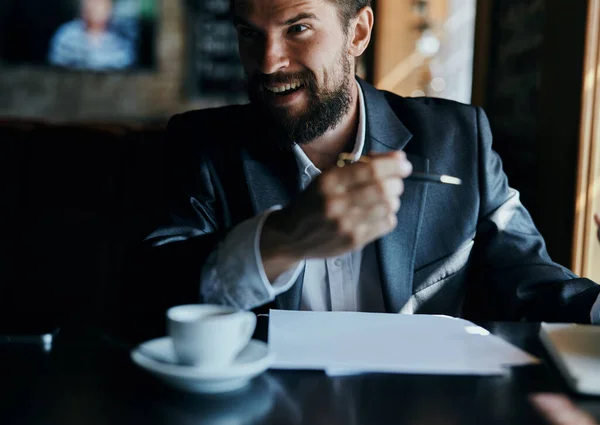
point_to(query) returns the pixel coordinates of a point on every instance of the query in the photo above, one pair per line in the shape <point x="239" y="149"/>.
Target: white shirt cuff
<point x="285" y="280"/>
<point x="234" y="274"/>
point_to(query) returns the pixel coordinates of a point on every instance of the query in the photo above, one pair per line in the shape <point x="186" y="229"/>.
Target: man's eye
<point x="295" y="29"/>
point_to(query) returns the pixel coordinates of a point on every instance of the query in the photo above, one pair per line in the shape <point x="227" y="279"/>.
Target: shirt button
<point x="338" y="262"/>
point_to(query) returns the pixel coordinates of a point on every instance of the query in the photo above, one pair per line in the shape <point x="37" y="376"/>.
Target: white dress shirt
<point x="349" y="282"/>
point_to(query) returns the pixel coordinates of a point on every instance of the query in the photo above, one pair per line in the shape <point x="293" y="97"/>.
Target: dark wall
<point x="28" y="26"/>
<point x="557" y="144"/>
<point x="533" y="99"/>
<point x="513" y="87"/>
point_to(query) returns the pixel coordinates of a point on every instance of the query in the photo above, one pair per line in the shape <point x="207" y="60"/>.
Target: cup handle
<point x="248" y="324"/>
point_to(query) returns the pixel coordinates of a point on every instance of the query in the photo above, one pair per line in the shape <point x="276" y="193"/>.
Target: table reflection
<point x="262" y="401"/>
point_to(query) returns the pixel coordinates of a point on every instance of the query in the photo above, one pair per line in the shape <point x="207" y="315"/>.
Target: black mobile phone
<point x="28" y="331"/>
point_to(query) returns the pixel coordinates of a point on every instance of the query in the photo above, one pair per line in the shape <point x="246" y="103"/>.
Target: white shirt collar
<point x="304" y="162"/>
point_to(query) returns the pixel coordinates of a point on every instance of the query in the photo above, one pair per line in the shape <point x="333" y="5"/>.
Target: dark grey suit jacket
<point x="469" y="250"/>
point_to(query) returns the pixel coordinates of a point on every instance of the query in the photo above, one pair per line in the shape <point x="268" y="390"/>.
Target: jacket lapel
<point x="273" y="179"/>
<point x="395" y="251"/>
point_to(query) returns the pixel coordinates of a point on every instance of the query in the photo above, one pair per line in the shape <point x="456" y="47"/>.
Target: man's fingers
<point x="379" y="227"/>
<point x="378" y="167"/>
<point x="384" y="194"/>
<point x="374" y="213"/>
<point x="368" y="224"/>
<point x="376" y="193"/>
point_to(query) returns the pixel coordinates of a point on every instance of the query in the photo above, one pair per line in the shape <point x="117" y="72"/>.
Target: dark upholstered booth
<point x="75" y="202"/>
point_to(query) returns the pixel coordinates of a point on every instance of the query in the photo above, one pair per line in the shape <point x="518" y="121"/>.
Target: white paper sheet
<point x="349" y="342"/>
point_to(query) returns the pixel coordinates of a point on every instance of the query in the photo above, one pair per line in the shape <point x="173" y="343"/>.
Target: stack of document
<point x="349" y="342"/>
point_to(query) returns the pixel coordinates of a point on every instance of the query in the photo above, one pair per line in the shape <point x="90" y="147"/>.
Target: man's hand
<point x="559" y="410"/>
<point x="342" y="210"/>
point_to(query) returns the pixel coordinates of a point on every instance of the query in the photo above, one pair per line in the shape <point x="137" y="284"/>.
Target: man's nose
<point x="274" y="56"/>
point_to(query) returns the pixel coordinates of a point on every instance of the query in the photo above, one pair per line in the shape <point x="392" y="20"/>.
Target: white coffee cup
<point x="209" y="335"/>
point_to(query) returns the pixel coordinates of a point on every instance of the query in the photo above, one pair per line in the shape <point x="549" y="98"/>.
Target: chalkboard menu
<point x="513" y="93"/>
<point x="215" y="70"/>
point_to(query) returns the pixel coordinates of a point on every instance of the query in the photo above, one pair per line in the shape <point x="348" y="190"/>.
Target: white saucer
<point x="158" y="357"/>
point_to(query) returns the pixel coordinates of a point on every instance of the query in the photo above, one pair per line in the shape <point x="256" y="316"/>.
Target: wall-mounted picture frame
<point x="81" y="35"/>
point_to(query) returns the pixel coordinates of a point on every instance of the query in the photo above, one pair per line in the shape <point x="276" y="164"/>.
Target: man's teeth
<point x="283" y="88"/>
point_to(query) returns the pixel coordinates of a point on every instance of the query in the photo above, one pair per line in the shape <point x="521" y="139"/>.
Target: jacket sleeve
<point x="515" y="276"/>
<point x="164" y="269"/>
<point x="191" y="225"/>
<point x="200" y="252"/>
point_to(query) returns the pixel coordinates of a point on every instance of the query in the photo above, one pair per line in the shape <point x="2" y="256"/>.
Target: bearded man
<point x="260" y="214"/>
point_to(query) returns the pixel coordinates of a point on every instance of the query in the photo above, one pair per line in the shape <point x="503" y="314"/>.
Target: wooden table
<point x="87" y="379"/>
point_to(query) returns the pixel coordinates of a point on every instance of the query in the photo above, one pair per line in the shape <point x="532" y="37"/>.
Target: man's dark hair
<point x="348" y="9"/>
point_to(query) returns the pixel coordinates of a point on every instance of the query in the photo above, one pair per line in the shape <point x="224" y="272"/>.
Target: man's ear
<point x="360" y="31"/>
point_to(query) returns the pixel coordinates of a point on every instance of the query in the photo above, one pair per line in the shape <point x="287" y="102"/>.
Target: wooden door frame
<point x="584" y="234"/>
<point x="481" y="51"/>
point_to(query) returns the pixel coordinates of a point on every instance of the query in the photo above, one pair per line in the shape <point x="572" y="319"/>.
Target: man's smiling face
<point x="295" y="53"/>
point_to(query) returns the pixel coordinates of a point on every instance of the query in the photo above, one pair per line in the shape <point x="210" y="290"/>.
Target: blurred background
<point x="533" y="65"/>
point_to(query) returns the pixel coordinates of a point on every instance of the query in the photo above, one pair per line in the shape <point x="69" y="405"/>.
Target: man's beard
<point x="324" y="111"/>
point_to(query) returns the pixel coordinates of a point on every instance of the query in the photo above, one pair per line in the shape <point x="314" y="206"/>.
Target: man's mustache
<point x="259" y="79"/>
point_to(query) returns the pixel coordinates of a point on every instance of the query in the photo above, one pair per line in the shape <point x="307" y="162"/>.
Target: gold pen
<point x="347" y="158"/>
